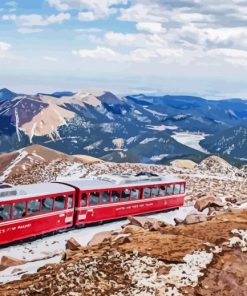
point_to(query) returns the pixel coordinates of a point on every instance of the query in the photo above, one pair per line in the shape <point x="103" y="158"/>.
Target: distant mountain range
<point x="231" y="142"/>
<point x="135" y="128"/>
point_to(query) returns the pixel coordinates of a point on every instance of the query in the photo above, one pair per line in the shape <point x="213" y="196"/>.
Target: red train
<point x="31" y="210"/>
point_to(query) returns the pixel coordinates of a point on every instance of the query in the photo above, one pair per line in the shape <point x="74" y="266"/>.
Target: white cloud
<point x="31" y="20"/>
<point x="4" y="48"/>
<point x="9" y="17"/>
<point x="142" y="13"/>
<point x="87" y="16"/>
<point x="163" y="55"/>
<point x="89" y="9"/>
<point x="185" y="12"/>
<point x="233" y="56"/>
<point x="100" y="53"/>
<point x="116" y="38"/>
<point x="50" y="59"/>
<point x="195" y="27"/>
<point x="138" y="40"/>
<point x="140" y="55"/>
<point x="25" y="30"/>
<point x="89" y="30"/>
<point x="12" y="4"/>
<point x="150" y="27"/>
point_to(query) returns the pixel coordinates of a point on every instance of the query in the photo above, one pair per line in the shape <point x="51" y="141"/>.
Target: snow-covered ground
<point x="161" y="127"/>
<point x="190" y="139"/>
<point x="52" y="247"/>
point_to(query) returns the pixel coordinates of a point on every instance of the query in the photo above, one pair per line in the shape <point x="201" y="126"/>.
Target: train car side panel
<point x="35" y="216"/>
<point x="95" y="206"/>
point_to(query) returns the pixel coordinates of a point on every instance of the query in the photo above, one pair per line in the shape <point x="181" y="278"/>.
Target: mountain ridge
<point x="102" y="125"/>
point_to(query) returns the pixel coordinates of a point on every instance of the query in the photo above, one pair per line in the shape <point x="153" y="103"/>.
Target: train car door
<point x="70" y="208"/>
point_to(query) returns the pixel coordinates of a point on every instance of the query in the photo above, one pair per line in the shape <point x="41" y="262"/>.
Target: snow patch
<point x="158" y="157"/>
<point x="147" y="140"/>
<point x="191" y="140"/>
<point x="162" y="127"/>
<point x="118" y="143"/>
<point x="188" y="273"/>
<point x="19" y="158"/>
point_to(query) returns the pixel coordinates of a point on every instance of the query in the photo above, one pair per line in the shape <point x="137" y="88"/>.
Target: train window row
<point x="33" y="207"/>
<point x="95" y="197"/>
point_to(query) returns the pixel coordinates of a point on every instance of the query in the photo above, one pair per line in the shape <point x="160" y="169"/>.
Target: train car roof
<point x="32" y="190"/>
<point x="117" y="181"/>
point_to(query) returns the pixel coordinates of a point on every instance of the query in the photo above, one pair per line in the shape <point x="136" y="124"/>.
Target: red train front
<point x="32" y="210"/>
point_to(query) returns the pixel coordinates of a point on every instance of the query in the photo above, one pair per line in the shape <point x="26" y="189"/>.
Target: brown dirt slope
<point x="151" y="263"/>
<point x="27" y="164"/>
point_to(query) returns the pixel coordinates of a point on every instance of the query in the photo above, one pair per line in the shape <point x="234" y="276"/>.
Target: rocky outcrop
<point x="215" y="164"/>
<point x="132" y="229"/>
<point x="7" y="261"/>
<point x="72" y="245"/>
<point x="146" y="223"/>
<point x="226" y="276"/>
<point x="195" y="218"/>
<point x="208" y="201"/>
<point x="100" y="237"/>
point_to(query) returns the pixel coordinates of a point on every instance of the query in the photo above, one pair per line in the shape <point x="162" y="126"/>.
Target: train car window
<point x="135" y="194"/>
<point x="4" y="212"/>
<point x="162" y="191"/>
<point x="70" y="201"/>
<point x="169" y="190"/>
<point x="94" y="198"/>
<point x="83" y="199"/>
<point x="59" y="202"/>
<point x="182" y="188"/>
<point x="125" y="195"/>
<point x="105" y="197"/>
<point x="176" y="188"/>
<point x="19" y="210"/>
<point x="47" y="204"/>
<point x="155" y="192"/>
<point x="146" y="192"/>
<point x="115" y="196"/>
<point x="33" y="207"/>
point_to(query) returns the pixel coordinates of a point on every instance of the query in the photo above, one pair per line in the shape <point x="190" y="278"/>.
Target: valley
<point x="136" y="128"/>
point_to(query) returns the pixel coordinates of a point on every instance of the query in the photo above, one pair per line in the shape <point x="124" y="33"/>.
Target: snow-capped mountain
<point x="134" y="128"/>
<point x="231" y="142"/>
<point x="194" y="113"/>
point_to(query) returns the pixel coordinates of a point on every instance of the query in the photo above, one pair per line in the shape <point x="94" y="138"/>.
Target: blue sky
<point x="193" y="47"/>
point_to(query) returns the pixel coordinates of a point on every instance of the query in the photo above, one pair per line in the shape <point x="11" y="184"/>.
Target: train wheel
<point x="100" y="222"/>
<point x="83" y="225"/>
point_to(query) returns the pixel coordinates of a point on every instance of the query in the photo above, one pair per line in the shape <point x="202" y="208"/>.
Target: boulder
<point x="7" y="261"/>
<point x="146" y="223"/>
<point x="72" y="255"/>
<point x="132" y="229"/>
<point x="207" y="201"/>
<point x="99" y="238"/>
<point x="195" y="218"/>
<point x="122" y="238"/>
<point x="72" y="245"/>
<point x="155" y="226"/>
<point x="178" y="221"/>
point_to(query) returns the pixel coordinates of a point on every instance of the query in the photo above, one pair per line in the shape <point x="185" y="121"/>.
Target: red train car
<point x="31" y="210"/>
<point x="113" y="196"/>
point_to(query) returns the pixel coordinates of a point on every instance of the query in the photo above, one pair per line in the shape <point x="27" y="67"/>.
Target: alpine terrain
<point x="134" y="128"/>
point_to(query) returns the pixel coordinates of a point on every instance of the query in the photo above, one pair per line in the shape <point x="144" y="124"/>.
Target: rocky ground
<point x="187" y="259"/>
<point x="213" y="176"/>
<point x="202" y="255"/>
